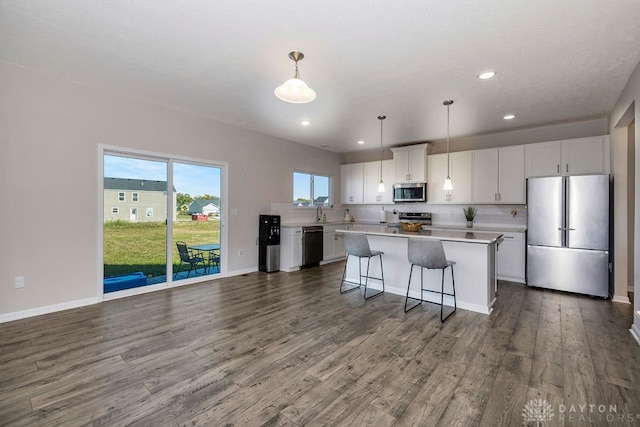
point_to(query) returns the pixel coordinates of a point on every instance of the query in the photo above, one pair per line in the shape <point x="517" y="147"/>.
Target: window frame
<point x="122" y="196"/>
<point x="135" y="196"/>
<point x="313" y="175"/>
<point x="115" y="210"/>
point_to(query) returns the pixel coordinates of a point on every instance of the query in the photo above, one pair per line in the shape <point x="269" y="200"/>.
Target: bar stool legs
<point x="366" y="276"/>
<point x="422" y="290"/>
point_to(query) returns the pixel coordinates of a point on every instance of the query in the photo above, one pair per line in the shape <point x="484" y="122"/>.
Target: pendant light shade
<point x="448" y="185"/>
<point x="381" y="184"/>
<point x="295" y="90"/>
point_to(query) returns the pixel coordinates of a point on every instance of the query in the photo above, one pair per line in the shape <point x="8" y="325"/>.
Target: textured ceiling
<point x="557" y="61"/>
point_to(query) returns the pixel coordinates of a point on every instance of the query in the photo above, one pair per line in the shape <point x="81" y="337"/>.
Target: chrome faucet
<point x="318" y="213"/>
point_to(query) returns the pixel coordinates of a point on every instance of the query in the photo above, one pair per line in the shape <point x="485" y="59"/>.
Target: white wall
<point x="624" y="111"/>
<point x="51" y="129"/>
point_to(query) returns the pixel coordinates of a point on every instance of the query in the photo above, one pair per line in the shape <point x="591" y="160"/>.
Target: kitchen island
<point x="475" y="269"/>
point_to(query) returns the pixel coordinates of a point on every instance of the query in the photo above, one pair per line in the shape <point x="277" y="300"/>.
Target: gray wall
<point x="49" y="157"/>
<point x="555" y="132"/>
<point x="625" y="143"/>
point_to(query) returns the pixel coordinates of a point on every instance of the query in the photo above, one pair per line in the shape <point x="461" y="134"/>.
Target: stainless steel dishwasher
<point x="312" y="245"/>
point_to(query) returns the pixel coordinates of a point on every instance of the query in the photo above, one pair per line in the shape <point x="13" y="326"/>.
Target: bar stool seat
<point x="357" y="245"/>
<point x="429" y="254"/>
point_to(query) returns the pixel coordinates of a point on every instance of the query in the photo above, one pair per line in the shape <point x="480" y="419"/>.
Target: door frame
<point x="170" y="159"/>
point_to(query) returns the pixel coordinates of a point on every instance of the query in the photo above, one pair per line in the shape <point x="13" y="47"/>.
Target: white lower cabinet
<point x="511" y="258"/>
<point x="333" y="243"/>
<point x="290" y="248"/>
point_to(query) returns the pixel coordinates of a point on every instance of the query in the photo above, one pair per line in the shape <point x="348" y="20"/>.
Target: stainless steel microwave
<point x="410" y="192"/>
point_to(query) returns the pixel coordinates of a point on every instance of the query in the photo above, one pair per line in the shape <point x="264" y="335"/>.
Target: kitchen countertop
<point x="445" y="235"/>
<point x="444" y="227"/>
<point x="483" y="228"/>
<point x="307" y="224"/>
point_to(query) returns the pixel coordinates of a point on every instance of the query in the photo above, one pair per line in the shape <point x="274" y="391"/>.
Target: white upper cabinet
<point x="586" y="155"/>
<point x="410" y="163"/>
<point x="499" y="175"/>
<point x="372" y="179"/>
<point x="437" y="166"/>
<point x="460" y="171"/>
<point x="568" y="157"/>
<point x="485" y="177"/>
<point x="511" y="180"/>
<point x="352" y="183"/>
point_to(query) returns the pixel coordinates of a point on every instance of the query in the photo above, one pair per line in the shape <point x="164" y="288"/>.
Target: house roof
<point x="205" y="202"/>
<point x="128" y="184"/>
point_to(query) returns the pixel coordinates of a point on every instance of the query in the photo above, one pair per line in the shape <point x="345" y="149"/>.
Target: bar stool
<point x="357" y="245"/>
<point x="429" y="254"/>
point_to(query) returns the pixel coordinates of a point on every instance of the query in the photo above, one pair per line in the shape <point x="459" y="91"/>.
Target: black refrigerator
<point x="269" y="243"/>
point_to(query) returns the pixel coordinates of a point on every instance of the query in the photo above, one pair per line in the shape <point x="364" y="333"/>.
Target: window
<point x="134" y="197"/>
<point x="115" y="210"/>
<point x="311" y="189"/>
<point x="121" y="196"/>
<point x="149" y="212"/>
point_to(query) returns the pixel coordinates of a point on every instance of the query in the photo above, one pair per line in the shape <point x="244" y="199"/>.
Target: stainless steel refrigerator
<point x="568" y="233"/>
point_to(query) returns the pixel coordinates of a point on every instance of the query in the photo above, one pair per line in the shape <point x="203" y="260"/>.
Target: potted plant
<point x="470" y="214"/>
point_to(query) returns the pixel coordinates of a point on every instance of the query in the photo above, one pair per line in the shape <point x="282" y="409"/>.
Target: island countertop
<point x="475" y="269"/>
<point x="444" y="235"/>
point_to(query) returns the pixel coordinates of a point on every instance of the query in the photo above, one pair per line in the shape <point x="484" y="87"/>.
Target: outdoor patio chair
<point x="190" y="257"/>
<point x="214" y="261"/>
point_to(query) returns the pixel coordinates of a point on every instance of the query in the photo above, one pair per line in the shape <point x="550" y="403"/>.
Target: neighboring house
<point x="321" y="201"/>
<point x="139" y="200"/>
<point x="204" y="206"/>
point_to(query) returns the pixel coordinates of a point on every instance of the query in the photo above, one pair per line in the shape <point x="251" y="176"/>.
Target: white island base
<point x="475" y="268"/>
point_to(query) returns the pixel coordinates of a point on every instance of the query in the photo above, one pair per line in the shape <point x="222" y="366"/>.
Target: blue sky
<point x="194" y="180"/>
<point x="302" y="186"/>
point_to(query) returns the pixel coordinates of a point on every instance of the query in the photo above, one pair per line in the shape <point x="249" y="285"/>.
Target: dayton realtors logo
<point x="537" y="410"/>
<point x="540" y="411"/>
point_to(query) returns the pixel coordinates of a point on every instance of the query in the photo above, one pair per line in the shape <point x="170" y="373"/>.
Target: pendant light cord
<point x="448" y="140"/>
<point x="448" y="103"/>
<point x="381" y="118"/>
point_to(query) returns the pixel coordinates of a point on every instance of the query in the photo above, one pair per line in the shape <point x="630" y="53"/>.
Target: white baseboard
<point x="635" y="333"/>
<point x="622" y="300"/>
<point x="241" y="272"/>
<point x="31" y="312"/>
<point x="37" y="311"/>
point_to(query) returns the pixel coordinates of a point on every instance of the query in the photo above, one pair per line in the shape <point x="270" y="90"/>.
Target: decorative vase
<point x="469" y="224"/>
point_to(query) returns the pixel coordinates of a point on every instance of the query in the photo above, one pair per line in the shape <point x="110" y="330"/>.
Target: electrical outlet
<point x="19" y="282"/>
<point x="240" y="252"/>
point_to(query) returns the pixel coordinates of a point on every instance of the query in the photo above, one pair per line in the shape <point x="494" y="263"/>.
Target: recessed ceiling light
<point x="361" y="142"/>
<point x="305" y="123"/>
<point x="509" y="116"/>
<point x="486" y="75"/>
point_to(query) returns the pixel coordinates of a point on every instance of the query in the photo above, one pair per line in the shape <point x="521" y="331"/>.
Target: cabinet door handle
<point x="508" y="237"/>
<point x="558" y="168"/>
<point x="566" y="167"/>
<point x="499" y="197"/>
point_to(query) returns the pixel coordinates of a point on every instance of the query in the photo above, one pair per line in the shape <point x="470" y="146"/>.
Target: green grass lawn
<point x="140" y="246"/>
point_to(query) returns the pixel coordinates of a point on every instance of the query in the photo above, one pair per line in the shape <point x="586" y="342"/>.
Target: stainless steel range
<point x="423" y="218"/>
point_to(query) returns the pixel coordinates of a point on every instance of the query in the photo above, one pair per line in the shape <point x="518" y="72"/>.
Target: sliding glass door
<point x="139" y="235"/>
<point x="134" y="222"/>
<point x="196" y="230"/>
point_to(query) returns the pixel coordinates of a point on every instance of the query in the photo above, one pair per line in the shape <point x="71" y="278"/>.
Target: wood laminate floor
<point x="286" y="349"/>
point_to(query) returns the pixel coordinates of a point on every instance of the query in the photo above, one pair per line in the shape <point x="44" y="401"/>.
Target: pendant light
<point x="448" y="185"/>
<point x="295" y="90"/>
<point x="381" y="184"/>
